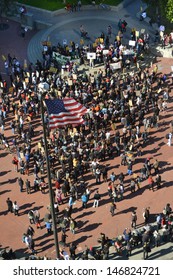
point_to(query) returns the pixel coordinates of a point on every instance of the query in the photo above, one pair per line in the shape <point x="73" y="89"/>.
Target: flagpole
<point x="49" y="182"/>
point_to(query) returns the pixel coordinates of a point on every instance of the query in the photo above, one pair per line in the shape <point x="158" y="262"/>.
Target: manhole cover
<point x="126" y="16"/>
<point x="4" y="26"/>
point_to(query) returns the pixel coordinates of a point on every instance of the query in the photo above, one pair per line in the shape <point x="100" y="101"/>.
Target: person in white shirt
<point x="15" y="208"/>
<point x="169" y="139"/>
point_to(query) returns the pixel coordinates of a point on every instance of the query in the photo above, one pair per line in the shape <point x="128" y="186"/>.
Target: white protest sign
<point x="91" y="55"/>
<point x="132" y="43"/>
<point x="45" y="48"/>
<point x="105" y="52"/>
<point x="64" y="42"/>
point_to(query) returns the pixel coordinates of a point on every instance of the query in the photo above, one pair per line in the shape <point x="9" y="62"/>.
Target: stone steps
<point x="34" y="50"/>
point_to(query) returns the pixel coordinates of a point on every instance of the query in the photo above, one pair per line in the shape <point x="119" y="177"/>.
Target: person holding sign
<point x="143" y="15"/>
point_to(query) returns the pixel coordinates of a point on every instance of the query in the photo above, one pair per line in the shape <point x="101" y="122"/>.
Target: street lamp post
<point x="49" y="181"/>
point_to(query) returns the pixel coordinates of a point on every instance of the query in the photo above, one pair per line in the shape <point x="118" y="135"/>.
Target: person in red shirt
<point x="15" y="163"/>
<point x="151" y="183"/>
<point x="57" y="185"/>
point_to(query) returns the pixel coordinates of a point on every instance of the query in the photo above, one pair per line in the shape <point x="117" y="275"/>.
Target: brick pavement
<point x="91" y="221"/>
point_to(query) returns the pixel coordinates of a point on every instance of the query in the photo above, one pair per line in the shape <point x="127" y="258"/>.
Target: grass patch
<point x="53" y="5"/>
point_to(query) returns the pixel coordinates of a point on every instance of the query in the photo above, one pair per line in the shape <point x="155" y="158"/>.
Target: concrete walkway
<point x="65" y="25"/>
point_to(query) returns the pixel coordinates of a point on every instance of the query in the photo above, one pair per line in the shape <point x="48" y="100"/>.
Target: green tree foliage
<point x="5" y="5"/>
<point x="162" y="4"/>
<point x="169" y="10"/>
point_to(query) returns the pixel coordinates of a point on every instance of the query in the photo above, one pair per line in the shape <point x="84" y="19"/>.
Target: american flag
<point x="64" y="112"/>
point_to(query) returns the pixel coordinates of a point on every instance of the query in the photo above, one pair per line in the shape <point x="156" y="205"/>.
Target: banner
<point x="115" y="66"/>
<point x="62" y="59"/>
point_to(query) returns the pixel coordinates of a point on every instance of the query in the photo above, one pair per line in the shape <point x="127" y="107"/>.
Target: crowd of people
<point x="123" y="107"/>
<point x="107" y="47"/>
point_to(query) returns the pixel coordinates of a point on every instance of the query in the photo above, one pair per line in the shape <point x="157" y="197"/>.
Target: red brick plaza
<point x="91" y="221"/>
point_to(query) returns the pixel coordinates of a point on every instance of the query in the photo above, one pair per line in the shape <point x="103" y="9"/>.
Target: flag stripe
<point x="72" y="105"/>
<point x="58" y="124"/>
<point x="61" y="115"/>
<point x="64" y="119"/>
<point x="64" y="111"/>
<point x="67" y="121"/>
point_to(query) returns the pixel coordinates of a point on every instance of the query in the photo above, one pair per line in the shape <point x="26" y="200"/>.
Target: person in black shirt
<point x="10" y="205"/>
<point x="158" y="181"/>
<point x="96" y="199"/>
<point x="146" y="244"/>
<point x="72" y="249"/>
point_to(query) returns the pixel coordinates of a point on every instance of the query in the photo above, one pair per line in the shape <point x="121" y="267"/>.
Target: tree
<point x="169" y="10"/>
<point x="162" y="6"/>
<point x="5" y="5"/>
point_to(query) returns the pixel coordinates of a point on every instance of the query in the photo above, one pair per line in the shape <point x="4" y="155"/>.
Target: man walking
<point x="112" y="208"/>
<point x="169" y="139"/>
<point x="156" y="167"/>
<point x="96" y="199"/>
<point x="146" y="244"/>
<point x="98" y="175"/>
<point x="84" y="198"/>
<point x="10" y="205"/>
<point x="151" y="183"/>
<point x="28" y="186"/>
<point x="21" y="183"/>
<point x="15" y="208"/>
<point x="133" y="219"/>
<point x="158" y="181"/>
